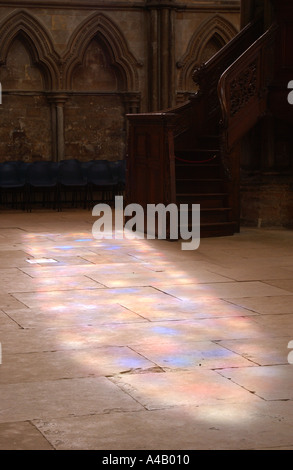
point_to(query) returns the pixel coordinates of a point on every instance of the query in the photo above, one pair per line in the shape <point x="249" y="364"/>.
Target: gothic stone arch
<point x="99" y="26"/>
<point x="38" y="41"/>
<point x="216" y="29"/>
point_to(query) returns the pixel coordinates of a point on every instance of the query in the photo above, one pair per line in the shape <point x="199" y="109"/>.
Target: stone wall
<point x="70" y="73"/>
<point x="267" y="201"/>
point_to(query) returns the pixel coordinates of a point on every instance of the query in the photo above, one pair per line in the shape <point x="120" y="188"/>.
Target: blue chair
<point x="42" y="179"/>
<point x="118" y="169"/>
<point x="122" y="173"/>
<point x="72" y="180"/>
<point x="115" y="170"/>
<point x="85" y="166"/>
<point x="69" y="160"/>
<point x="12" y="185"/>
<point x="100" y="180"/>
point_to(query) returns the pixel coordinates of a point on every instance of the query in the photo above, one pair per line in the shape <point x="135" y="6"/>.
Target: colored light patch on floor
<point x="179" y="354"/>
<point x="184" y="389"/>
<point x="60" y="316"/>
<point x="225" y="290"/>
<point x="261" y="352"/>
<point x="46" y="284"/>
<point x="269" y="383"/>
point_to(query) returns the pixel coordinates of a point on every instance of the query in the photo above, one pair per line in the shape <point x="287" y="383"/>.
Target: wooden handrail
<point x="219" y="62"/>
<point x="178" y="117"/>
<point x="243" y="88"/>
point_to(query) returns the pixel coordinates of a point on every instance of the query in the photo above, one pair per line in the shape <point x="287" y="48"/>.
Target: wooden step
<point x="205" y="200"/>
<point x="215" y="229"/>
<point x="197" y="156"/>
<point x="215" y="214"/>
<point x="208" y="185"/>
<point x="208" y="140"/>
<point x="222" y="229"/>
<point x="200" y="180"/>
<point x="198" y="170"/>
<point x="198" y="150"/>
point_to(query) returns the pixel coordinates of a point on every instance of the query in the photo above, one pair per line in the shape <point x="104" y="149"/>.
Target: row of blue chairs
<point x="55" y="183"/>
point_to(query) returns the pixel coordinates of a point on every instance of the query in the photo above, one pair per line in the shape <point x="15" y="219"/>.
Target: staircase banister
<point x="238" y="67"/>
<point x="218" y="62"/>
<point x="162" y="114"/>
<point x="178" y="118"/>
<point x="153" y="116"/>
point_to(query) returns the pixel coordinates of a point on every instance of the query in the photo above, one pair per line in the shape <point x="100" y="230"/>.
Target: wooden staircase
<point x="190" y="154"/>
<point x="200" y="180"/>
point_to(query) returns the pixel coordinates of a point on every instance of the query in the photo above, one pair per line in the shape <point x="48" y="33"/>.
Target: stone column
<point x="167" y="58"/>
<point x="57" y="119"/>
<point x="132" y="103"/>
<point x="154" y="62"/>
<point x="161" y="54"/>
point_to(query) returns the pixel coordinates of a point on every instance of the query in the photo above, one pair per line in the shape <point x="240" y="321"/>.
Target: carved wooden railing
<point x="208" y="75"/>
<point x="243" y="91"/>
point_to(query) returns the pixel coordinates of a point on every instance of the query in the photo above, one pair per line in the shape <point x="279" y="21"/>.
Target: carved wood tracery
<point x="243" y="88"/>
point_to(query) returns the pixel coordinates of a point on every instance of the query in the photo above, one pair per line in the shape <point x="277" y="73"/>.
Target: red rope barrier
<point x="196" y="161"/>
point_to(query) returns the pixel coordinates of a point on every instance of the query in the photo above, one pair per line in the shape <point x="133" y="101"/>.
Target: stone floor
<point x="138" y="345"/>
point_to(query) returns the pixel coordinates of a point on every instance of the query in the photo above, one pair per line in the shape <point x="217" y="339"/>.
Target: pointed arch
<point x="215" y="30"/>
<point x="37" y="40"/>
<point x="101" y="27"/>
